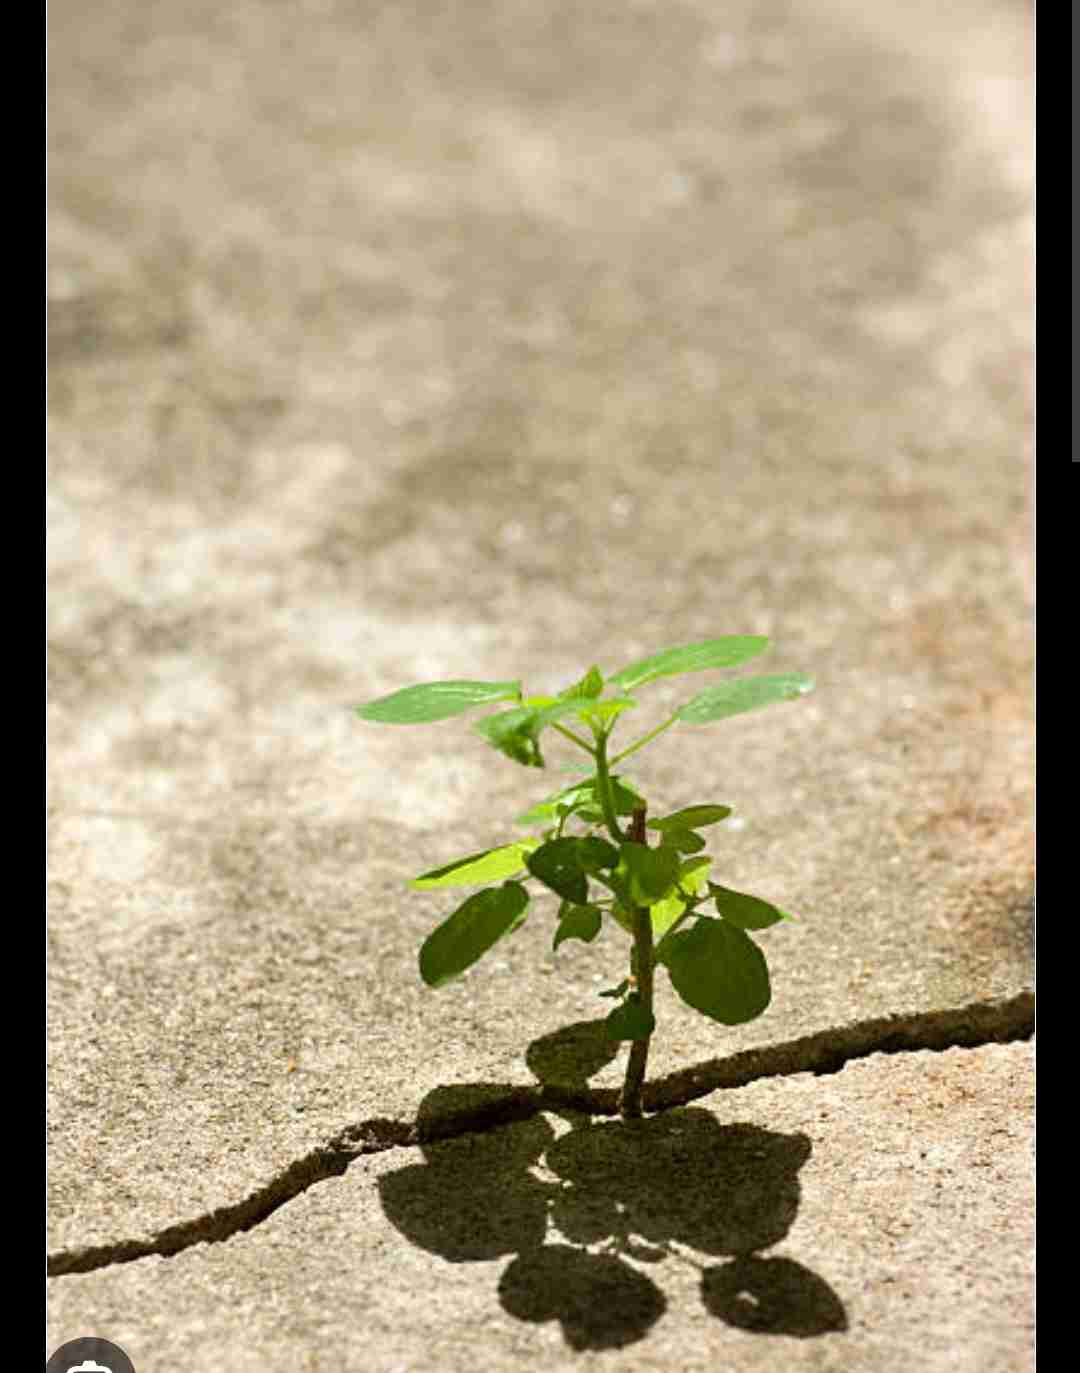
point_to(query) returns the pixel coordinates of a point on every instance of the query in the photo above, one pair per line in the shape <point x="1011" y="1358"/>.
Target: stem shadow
<point x="631" y="1189"/>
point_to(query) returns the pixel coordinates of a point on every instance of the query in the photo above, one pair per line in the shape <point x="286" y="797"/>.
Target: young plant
<point x="593" y="851"/>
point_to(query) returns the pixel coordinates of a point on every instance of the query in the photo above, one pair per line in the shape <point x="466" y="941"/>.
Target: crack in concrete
<point x="827" y="1051"/>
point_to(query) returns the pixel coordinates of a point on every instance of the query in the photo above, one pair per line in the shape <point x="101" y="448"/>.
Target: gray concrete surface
<point x="391" y="343"/>
<point x="835" y="1223"/>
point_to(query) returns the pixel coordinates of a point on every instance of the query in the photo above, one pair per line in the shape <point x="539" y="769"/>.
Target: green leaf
<point x="590" y="686"/>
<point x="691" y="818"/>
<point x="557" y="710"/>
<point x="426" y="703"/>
<point x="684" y="841"/>
<point x="544" y="810"/>
<point x="487" y="866"/>
<point x="668" y="912"/>
<point x="577" y="922"/>
<point x="466" y="935"/>
<point x="620" y="990"/>
<point x="670" y="662"/>
<point x="691" y="872"/>
<point x="512" y="733"/>
<point x="517" y="732"/>
<point x="749" y="693"/>
<point x="630" y="1020"/>
<point x="665" y="914"/>
<point x="601" y="712"/>
<point x="594" y="853"/>
<point x="558" y="866"/>
<point x="747" y="912"/>
<point x="626" y="798"/>
<point x="718" y="970"/>
<point x="622" y="917"/>
<point x="652" y="872"/>
<point x="584" y="799"/>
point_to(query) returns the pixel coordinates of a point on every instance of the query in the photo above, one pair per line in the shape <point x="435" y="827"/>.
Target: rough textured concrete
<point x="391" y="343"/>
<point x="825" y="1223"/>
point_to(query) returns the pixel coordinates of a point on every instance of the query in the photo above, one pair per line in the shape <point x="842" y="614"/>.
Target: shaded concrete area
<point x="830" y="1222"/>
<point x="392" y="343"/>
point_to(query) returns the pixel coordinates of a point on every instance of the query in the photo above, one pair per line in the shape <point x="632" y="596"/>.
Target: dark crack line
<point x="827" y="1051"/>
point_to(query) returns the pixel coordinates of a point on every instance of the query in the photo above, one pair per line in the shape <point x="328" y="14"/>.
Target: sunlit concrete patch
<point x="841" y="1221"/>
<point x="372" y="374"/>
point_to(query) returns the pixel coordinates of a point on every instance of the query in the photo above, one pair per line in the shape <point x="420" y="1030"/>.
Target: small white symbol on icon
<point x="89" y="1366"/>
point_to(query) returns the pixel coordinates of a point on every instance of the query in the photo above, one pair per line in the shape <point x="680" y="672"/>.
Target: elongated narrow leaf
<point x="652" y="872"/>
<point x="620" y="990"/>
<point x="577" y="922"/>
<point x="685" y="841"/>
<point x="466" y="935"/>
<point x="431" y="701"/>
<point x="671" y="662"/>
<point x="749" y="693"/>
<point x="487" y="866"/>
<point x="691" y="818"/>
<point x="747" y="912"/>
<point x="630" y="1020"/>
<point x="557" y="864"/>
<point x="718" y="970"/>
<point x="544" y="810"/>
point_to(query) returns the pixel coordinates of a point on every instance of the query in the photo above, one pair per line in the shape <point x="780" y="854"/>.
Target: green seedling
<point x="592" y="850"/>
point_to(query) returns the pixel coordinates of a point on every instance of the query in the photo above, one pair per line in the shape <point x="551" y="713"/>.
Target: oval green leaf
<point x="750" y="693"/>
<point x="668" y="912"/>
<point x="488" y="866"/>
<point x="577" y="922"/>
<point x="652" y="872"/>
<point x="718" y="970"/>
<point x="684" y="841"/>
<point x="691" y="818"/>
<point x="558" y="866"/>
<point x="467" y="934"/>
<point x="431" y="701"/>
<point x="729" y="651"/>
<point x="747" y="912"/>
<point x="594" y="852"/>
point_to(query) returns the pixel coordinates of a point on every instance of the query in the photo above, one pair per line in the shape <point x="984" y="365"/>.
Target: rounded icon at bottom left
<point x="90" y="1354"/>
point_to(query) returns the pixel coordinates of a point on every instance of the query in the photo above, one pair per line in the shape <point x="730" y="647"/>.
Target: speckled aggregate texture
<point x="396" y="342"/>
<point x="828" y="1224"/>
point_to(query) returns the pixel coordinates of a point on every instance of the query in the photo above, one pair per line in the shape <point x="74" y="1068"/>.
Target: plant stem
<point x="630" y="1099"/>
<point x="607" y="798"/>
<point x="574" y="738"/>
<point x="645" y="738"/>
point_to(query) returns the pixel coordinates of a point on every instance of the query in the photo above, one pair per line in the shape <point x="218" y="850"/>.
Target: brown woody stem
<point x="630" y="1099"/>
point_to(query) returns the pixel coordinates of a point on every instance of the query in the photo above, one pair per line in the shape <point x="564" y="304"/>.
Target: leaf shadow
<point x="613" y="1191"/>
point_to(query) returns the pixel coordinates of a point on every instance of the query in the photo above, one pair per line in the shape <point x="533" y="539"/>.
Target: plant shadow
<point x="628" y="1189"/>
